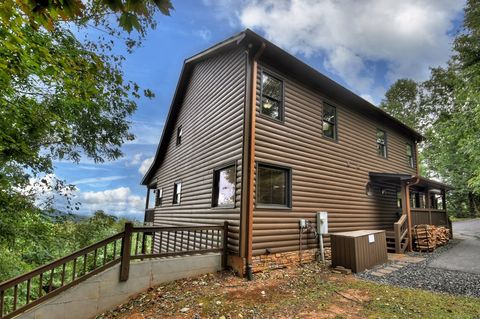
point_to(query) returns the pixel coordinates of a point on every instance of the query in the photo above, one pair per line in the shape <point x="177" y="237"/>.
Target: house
<point x="257" y="138"/>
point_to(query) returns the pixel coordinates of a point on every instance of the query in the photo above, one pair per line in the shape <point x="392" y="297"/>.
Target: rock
<point x="218" y="302"/>
<point x="185" y="309"/>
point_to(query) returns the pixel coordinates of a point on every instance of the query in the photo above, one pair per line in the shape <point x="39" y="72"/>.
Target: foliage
<point x="61" y="98"/>
<point x="446" y="110"/>
<point x="36" y="239"/>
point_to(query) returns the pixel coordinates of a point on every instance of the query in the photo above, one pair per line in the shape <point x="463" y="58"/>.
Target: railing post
<point x="126" y="248"/>
<point x="398" y="243"/>
<point x="225" y="245"/>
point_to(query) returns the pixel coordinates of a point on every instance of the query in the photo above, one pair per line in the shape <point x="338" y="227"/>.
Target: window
<point x="382" y="143"/>
<point x="179" y="135"/>
<point x="224" y="181"/>
<point x="410" y="158"/>
<point x="158" y="196"/>
<point x="399" y="199"/>
<point x="272" y="97"/>
<point x="369" y="189"/>
<point x="177" y="192"/>
<point x="329" y="118"/>
<point x="273" y="186"/>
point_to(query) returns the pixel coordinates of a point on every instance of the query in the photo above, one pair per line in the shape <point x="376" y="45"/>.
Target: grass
<point x="308" y="292"/>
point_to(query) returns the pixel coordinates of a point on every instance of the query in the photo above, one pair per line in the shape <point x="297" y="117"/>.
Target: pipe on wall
<point x="251" y="161"/>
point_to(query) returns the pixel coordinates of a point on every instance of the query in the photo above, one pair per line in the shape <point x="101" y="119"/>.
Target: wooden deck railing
<point x="25" y="291"/>
<point x="400" y="229"/>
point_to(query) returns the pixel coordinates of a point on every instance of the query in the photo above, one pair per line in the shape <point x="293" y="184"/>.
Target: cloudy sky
<point x="364" y="45"/>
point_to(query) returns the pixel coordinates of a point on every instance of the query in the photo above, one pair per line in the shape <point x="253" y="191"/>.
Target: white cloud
<point x="405" y="37"/>
<point x="145" y="165"/>
<point x="96" y="180"/>
<point x="119" y="201"/>
<point x="203" y="33"/>
<point x="146" y="132"/>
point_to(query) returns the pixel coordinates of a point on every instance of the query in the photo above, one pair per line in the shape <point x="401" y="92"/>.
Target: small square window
<point x="272" y="97"/>
<point x="410" y="156"/>
<point x="177" y="192"/>
<point x="158" y="196"/>
<point x="382" y="143"/>
<point x="273" y="186"/>
<point x="179" y="135"/>
<point x="329" y="118"/>
<point x="224" y="187"/>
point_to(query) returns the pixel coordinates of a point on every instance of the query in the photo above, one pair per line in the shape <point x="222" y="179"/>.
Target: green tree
<point x="448" y="115"/>
<point x="63" y="95"/>
<point x="402" y="102"/>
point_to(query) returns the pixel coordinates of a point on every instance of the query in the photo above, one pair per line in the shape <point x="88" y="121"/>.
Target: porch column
<point x="409" y="216"/>
<point x="147" y="198"/>
<point x="403" y="194"/>
<point x="429" y="206"/>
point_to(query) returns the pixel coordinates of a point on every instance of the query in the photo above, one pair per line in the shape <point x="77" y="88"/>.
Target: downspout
<point x="409" y="212"/>
<point x="416" y="159"/>
<point x="251" y="161"/>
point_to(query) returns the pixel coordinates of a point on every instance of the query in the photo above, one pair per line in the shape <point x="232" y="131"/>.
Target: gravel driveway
<point x="452" y="269"/>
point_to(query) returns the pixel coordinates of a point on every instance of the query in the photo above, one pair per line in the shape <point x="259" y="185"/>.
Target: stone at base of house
<point x="276" y="260"/>
<point x="286" y="259"/>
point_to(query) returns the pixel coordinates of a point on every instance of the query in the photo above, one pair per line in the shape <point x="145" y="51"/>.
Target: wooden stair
<point x="390" y="235"/>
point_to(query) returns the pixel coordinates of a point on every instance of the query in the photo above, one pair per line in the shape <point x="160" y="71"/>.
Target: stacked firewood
<point x="429" y="237"/>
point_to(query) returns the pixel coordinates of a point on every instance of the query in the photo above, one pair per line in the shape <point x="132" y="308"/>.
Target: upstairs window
<point x="272" y="97"/>
<point x="158" y="196"/>
<point x="410" y="157"/>
<point x="177" y="192"/>
<point x="179" y="135"/>
<point x="329" y="118"/>
<point x="273" y="186"/>
<point x="224" y="181"/>
<point x="382" y="143"/>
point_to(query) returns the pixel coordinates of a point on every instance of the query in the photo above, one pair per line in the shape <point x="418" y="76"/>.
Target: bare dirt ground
<point x="305" y="292"/>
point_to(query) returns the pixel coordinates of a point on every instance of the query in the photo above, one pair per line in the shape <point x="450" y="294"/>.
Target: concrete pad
<point x="385" y="271"/>
<point x="412" y="260"/>
<point x="397" y="266"/>
<point x="389" y="268"/>
<point x="404" y="258"/>
<point x="378" y="274"/>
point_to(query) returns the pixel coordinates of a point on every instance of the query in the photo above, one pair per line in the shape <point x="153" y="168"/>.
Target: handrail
<point x="401" y="230"/>
<point x="10" y="282"/>
<point x="25" y="291"/>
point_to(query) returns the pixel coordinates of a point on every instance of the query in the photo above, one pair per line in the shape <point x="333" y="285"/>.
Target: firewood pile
<point x="429" y="237"/>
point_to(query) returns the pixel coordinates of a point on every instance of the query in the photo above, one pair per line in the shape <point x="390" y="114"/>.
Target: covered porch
<point x="421" y="200"/>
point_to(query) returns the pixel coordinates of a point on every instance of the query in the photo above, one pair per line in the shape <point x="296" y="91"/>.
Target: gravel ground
<point x="421" y="276"/>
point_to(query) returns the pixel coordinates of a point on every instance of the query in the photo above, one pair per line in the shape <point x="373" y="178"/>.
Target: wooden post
<point x="225" y="245"/>
<point x="125" y="253"/>
<point x="429" y="206"/>
<point x="409" y="217"/>
<point x="398" y="243"/>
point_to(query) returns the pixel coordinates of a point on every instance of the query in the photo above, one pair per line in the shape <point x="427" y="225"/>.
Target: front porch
<point x="421" y="200"/>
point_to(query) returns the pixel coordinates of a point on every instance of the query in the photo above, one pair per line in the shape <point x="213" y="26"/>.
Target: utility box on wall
<point x="359" y="250"/>
<point x="322" y="223"/>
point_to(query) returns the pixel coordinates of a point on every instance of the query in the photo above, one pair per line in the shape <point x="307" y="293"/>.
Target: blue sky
<point x="364" y="45"/>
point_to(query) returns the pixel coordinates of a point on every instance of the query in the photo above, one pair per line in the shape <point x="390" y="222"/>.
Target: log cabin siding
<point x="327" y="175"/>
<point x="211" y="117"/>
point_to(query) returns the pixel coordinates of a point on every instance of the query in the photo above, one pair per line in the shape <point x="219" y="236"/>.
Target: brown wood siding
<point x="327" y="175"/>
<point x="211" y="117"/>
